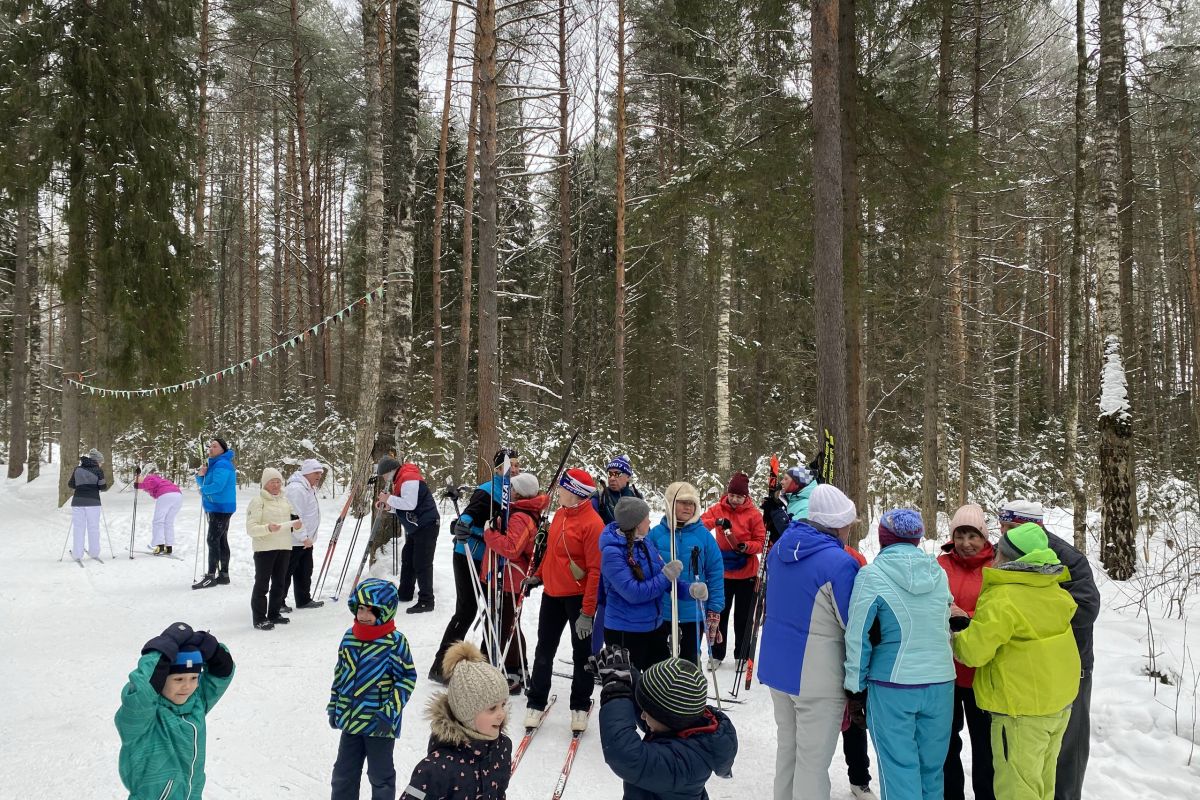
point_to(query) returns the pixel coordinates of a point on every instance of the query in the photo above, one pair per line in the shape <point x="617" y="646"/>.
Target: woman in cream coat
<point x="269" y="521"/>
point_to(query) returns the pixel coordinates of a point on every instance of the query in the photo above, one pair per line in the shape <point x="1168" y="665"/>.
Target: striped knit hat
<point x="674" y="692"/>
<point x="578" y="482"/>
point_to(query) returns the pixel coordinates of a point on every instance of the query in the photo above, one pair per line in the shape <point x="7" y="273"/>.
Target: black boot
<point x="223" y="578"/>
<point x="169" y="548"/>
<point x="205" y="582"/>
<point x="265" y="625"/>
<point x="286" y="609"/>
<point x="280" y="620"/>
<point x="421" y="607"/>
<point x="311" y="604"/>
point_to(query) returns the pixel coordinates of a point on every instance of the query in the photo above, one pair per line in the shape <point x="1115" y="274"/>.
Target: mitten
<point x="959" y="623"/>
<point x="180" y="632"/>
<point x="673" y="569"/>
<point x="741" y="548"/>
<point x="206" y="643"/>
<point x="698" y="591"/>
<point x="856" y="704"/>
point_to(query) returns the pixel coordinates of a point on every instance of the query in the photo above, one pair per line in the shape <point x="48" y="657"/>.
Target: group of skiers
<point x="909" y="647"/>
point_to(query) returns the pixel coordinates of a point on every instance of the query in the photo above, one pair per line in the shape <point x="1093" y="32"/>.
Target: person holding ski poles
<point x="168" y="499"/>
<point x="88" y="481"/>
<point x="704" y="575"/>
<point x="217" y="480"/>
<point x="741" y="537"/>
<point x="803" y="654"/>
<point x="513" y="542"/>
<point x="469" y="547"/>
<point x="633" y="579"/>
<point x="414" y="505"/>
<point x="570" y="575"/>
<point x="301" y="491"/>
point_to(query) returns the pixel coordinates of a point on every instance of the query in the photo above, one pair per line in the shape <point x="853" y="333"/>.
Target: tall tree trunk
<point x="489" y="324"/>
<point x="827" y="226"/>
<point x="439" y="202"/>
<point x="199" y="236"/>
<point x="402" y="236"/>
<point x="74" y="287"/>
<point x="565" y="256"/>
<point x="18" y="438"/>
<point x="934" y="310"/>
<point x="722" y="241"/>
<point x="468" y="260"/>
<point x="36" y="392"/>
<point x="1193" y="273"/>
<point x="1118" y="550"/>
<point x="619" y="302"/>
<point x="1073" y="483"/>
<point x="312" y="263"/>
<point x="858" y="444"/>
<point x="371" y="352"/>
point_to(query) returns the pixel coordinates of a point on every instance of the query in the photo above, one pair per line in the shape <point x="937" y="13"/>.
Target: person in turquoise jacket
<point x="898" y="644"/>
<point x="781" y="512"/>
<point x="179" y="678"/>
<point x="217" y="481"/>
<point x="703" y="569"/>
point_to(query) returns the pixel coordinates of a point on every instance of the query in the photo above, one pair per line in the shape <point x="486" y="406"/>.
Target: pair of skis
<point x="560" y="787"/>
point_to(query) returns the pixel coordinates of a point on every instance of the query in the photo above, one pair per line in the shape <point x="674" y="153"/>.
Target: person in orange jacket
<point x="570" y="575"/>
<point x="513" y="543"/>
<point x="738" y="527"/>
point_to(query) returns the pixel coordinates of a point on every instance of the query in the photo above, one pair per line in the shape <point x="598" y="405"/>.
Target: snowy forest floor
<point x="72" y="635"/>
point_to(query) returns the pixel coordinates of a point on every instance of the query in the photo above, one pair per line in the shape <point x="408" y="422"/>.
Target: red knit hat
<point x="578" y="482"/>
<point x="739" y="484"/>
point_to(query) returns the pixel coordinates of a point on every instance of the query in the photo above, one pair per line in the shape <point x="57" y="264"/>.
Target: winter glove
<point x="856" y="704"/>
<point x="712" y="627"/>
<point x="615" y="671"/>
<point x="583" y="626"/>
<point x="461" y="530"/>
<point x="741" y="548"/>
<point x="673" y="569"/>
<point x="959" y="623"/>
<point x="770" y="503"/>
<point x="221" y="663"/>
<point x="724" y="523"/>
<point x="206" y="643"/>
<point x="530" y="583"/>
<point x="181" y="632"/>
<point x="698" y="591"/>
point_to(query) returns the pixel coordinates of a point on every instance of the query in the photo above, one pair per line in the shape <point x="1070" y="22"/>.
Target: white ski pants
<point x="85" y="519"/>
<point x="166" y="508"/>
<point x="808" y="733"/>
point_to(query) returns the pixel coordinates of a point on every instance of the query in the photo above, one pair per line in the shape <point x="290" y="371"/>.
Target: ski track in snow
<point x="72" y="636"/>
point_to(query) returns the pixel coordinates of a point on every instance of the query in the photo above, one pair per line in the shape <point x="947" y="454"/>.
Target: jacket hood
<point x="537" y="504"/>
<point x="801" y="541"/>
<point x="681" y="490"/>
<point x="978" y="561"/>
<point x="299" y="480"/>
<point x="376" y="593"/>
<point x="445" y="729"/>
<point x="909" y="568"/>
<point x="720" y="746"/>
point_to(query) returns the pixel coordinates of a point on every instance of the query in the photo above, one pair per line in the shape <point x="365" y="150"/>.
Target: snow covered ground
<point x="70" y="636"/>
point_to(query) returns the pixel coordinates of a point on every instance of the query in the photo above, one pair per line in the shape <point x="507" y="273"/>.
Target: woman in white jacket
<point x="269" y="523"/>
<point x="301" y="491"/>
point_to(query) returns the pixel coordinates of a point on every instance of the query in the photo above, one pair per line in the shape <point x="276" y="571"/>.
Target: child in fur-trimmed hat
<point x="469" y="755"/>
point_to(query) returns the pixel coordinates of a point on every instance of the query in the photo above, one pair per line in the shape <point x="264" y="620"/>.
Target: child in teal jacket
<point x="181" y="675"/>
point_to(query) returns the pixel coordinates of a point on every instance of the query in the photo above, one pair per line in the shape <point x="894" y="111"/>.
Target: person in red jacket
<point x="570" y="575"/>
<point x="513" y="542"/>
<point x="964" y="558"/>
<point x="741" y="535"/>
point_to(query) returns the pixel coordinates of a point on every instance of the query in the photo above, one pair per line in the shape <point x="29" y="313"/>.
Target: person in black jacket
<point x="687" y="741"/>
<point x="470" y="757"/>
<point x="88" y="481"/>
<point x="413" y="504"/>
<point x="1076" y="744"/>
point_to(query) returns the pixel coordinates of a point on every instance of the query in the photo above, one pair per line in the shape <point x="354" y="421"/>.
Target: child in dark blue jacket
<point x="633" y="580"/>
<point x="686" y="740"/>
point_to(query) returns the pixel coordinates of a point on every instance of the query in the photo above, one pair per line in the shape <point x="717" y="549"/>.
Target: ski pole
<point x="66" y="541"/>
<point x="349" y="554"/>
<point x="333" y="540"/>
<point x="712" y="668"/>
<point x="137" y="471"/>
<point x="199" y="542"/>
<point x="675" y="593"/>
<point x="108" y="533"/>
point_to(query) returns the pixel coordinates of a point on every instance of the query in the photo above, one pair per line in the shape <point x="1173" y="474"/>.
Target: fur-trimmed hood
<point x="681" y="490"/>
<point x="444" y="729"/>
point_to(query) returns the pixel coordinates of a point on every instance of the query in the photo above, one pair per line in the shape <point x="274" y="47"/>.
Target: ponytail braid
<point x="635" y="567"/>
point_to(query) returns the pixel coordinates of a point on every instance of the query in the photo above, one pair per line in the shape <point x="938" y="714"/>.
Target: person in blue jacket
<point x="810" y="577"/>
<point x="703" y="569"/>
<point x="780" y="512"/>
<point x="488" y="499"/>
<point x="633" y="579"/>
<point x="898" y="644"/>
<point x="217" y="480"/>
<point x="687" y="741"/>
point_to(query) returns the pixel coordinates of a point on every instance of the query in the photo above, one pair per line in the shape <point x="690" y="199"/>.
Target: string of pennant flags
<point x="215" y="377"/>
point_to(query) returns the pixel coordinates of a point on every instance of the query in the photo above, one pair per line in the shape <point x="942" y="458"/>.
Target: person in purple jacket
<point x="168" y="499"/>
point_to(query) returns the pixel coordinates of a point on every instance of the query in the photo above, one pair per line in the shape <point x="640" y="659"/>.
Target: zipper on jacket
<point x="195" y="755"/>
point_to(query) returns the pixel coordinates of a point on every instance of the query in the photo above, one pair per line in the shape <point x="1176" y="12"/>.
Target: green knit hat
<point x="1028" y="544"/>
<point x="674" y="692"/>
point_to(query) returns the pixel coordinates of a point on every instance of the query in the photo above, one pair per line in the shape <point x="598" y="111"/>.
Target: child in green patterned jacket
<point x="181" y="675"/>
<point x="373" y="680"/>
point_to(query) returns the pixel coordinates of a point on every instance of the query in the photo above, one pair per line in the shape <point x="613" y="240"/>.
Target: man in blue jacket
<point x="217" y="480"/>
<point x="810" y="578"/>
